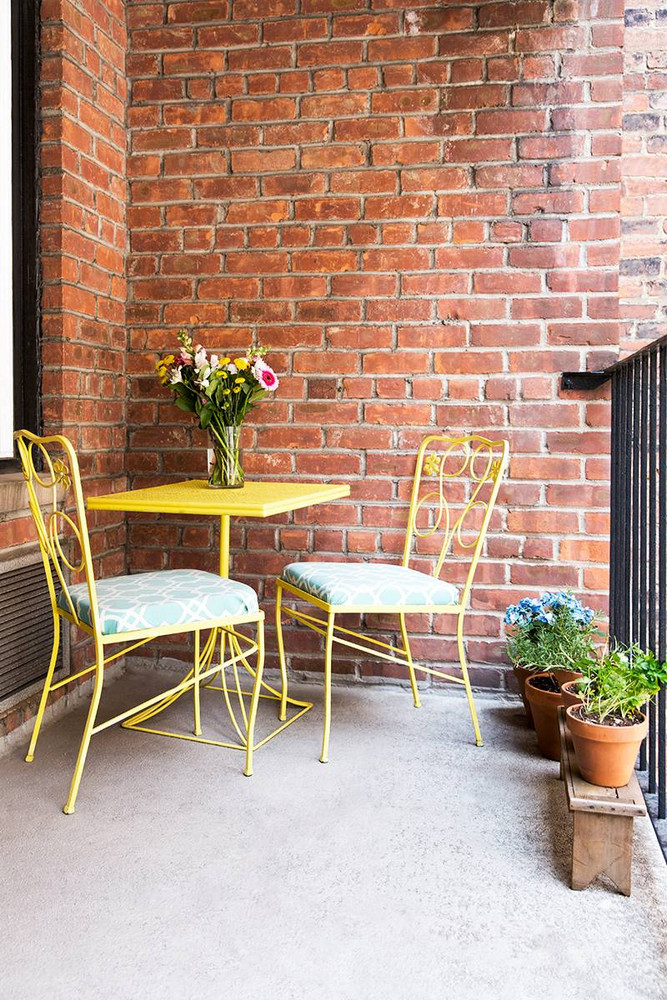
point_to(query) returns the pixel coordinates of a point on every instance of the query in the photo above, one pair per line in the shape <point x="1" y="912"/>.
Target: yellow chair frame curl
<point x="57" y="477"/>
<point x="484" y="462"/>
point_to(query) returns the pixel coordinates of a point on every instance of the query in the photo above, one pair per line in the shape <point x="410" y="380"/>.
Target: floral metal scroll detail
<point x="61" y="473"/>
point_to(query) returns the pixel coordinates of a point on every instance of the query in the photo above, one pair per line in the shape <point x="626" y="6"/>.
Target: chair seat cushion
<point x="369" y="585"/>
<point x="168" y="597"/>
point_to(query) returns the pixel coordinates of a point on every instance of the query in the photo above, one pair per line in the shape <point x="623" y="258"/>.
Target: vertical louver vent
<point x="26" y="627"/>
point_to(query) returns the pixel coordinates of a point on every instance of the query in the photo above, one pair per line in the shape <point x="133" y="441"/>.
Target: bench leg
<point x="602" y="844"/>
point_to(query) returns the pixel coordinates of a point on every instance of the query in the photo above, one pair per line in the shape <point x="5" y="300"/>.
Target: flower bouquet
<point x="221" y="392"/>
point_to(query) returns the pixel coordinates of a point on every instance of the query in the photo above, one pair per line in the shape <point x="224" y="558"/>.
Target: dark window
<point x="24" y="195"/>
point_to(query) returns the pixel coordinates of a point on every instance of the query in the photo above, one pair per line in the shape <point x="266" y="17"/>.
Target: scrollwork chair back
<point x="54" y="489"/>
<point x="454" y="491"/>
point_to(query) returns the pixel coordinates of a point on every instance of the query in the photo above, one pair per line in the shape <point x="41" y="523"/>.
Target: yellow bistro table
<point x="195" y="498"/>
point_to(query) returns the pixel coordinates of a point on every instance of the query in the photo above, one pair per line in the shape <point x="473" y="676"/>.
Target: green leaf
<point x="185" y="404"/>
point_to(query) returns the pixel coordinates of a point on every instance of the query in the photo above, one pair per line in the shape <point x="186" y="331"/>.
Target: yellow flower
<point x="238" y="389"/>
<point x="432" y="465"/>
<point x="225" y="361"/>
<point x="239" y="381"/>
<point x="226" y="392"/>
<point x="241" y="363"/>
<point x="169" y="360"/>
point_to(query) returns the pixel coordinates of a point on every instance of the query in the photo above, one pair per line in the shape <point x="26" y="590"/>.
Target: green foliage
<point x="553" y="632"/>
<point x="620" y="682"/>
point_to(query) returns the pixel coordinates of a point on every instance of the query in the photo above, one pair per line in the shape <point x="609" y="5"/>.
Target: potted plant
<point x="609" y="726"/>
<point x="220" y="392"/>
<point x="549" y="637"/>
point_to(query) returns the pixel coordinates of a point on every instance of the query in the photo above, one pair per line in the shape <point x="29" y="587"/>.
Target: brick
<point x="274" y="109"/>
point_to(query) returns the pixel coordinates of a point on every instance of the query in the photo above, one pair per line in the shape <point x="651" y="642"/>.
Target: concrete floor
<point x="414" y="866"/>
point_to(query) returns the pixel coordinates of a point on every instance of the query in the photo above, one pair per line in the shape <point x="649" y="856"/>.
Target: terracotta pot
<point x="563" y="675"/>
<point x="544" y="706"/>
<point x="606" y="754"/>
<point x="522" y="675"/>
<point x="569" y="695"/>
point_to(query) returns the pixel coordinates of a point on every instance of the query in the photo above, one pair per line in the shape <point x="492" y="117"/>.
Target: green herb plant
<point x="618" y="684"/>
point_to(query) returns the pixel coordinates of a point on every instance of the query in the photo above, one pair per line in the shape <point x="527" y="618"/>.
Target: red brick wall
<point x="418" y="211"/>
<point x="83" y="242"/>
<point x="643" y="288"/>
<point x="83" y="245"/>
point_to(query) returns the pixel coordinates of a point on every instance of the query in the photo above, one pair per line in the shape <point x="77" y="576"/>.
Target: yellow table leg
<point x="224" y="544"/>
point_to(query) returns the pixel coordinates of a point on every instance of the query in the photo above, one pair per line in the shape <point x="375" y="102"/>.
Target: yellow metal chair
<point x="438" y="520"/>
<point x="132" y="610"/>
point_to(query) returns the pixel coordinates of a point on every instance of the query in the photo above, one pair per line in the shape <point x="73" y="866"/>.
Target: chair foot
<point x="196" y="732"/>
<point x="479" y="743"/>
<point x="29" y="758"/>
<point x="248" y="774"/>
<point x="324" y="760"/>
<point x="68" y="810"/>
<point x="282" y="716"/>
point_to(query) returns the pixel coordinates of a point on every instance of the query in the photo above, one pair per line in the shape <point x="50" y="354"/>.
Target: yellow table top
<point x="194" y="496"/>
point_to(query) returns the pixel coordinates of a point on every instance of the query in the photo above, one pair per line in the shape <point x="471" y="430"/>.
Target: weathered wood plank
<point x="582" y="796"/>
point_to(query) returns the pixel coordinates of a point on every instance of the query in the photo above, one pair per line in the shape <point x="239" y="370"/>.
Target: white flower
<point x="176" y="376"/>
<point x="214" y="362"/>
<point x="200" y="357"/>
<point x="231" y="368"/>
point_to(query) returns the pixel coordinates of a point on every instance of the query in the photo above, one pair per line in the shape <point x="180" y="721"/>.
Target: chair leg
<point x="281" y="654"/>
<point x="254" y="701"/>
<point x="196" y="691"/>
<point x="87" y="730"/>
<point x="30" y="756"/>
<point x="466" y="680"/>
<point x="408" y="654"/>
<point x="324" y="756"/>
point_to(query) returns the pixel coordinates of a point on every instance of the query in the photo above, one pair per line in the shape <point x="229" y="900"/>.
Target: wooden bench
<point x="603" y="821"/>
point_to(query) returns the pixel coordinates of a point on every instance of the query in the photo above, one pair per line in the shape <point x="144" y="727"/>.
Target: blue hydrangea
<point x="544" y="610"/>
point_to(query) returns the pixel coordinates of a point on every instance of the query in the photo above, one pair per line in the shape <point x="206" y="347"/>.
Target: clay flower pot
<point x="568" y="694"/>
<point x="544" y="706"/>
<point x="522" y="674"/>
<point x="606" y="754"/>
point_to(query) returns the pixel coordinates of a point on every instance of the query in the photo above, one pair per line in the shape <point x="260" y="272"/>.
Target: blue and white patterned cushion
<point x="369" y="585"/>
<point x="168" y="597"/>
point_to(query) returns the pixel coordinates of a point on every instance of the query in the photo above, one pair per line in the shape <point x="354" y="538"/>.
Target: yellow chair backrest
<point x="454" y="491"/>
<point x="49" y="479"/>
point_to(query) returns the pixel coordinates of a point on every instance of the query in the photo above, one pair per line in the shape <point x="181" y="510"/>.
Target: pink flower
<point x="265" y="375"/>
<point x="183" y="359"/>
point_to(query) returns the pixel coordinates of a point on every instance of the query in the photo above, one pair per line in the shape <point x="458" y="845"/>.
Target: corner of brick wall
<point x="83" y="247"/>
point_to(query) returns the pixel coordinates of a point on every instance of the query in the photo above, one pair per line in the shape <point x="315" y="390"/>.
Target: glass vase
<point x="224" y="458"/>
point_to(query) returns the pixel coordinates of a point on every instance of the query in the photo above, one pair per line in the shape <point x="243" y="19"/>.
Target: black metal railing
<point x="638" y="531"/>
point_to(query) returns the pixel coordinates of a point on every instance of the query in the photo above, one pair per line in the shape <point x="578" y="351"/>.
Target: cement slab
<point x="413" y="866"/>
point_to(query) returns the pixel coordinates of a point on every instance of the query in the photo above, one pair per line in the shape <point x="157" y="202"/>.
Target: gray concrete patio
<point x="414" y="866"/>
